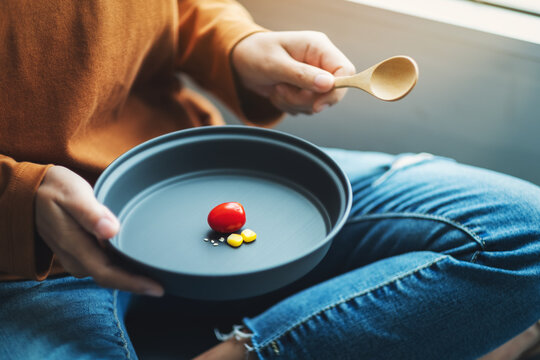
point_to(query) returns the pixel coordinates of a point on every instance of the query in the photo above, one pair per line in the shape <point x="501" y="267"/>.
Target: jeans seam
<point x="274" y="339"/>
<point x="119" y="326"/>
<point x="439" y="218"/>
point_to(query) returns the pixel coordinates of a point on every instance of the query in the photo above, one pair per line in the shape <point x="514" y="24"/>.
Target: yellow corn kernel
<point x="235" y="240"/>
<point x="249" y="235"/>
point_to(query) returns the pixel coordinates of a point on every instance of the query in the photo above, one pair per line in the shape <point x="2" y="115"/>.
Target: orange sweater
<point x="81" y="82"/>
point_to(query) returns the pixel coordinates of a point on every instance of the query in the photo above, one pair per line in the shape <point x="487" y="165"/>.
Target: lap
<point x="61" y="318"/>
<point x="421" y="204"/>
<point x="436" y="204"/>
<point x="429" y="242"/>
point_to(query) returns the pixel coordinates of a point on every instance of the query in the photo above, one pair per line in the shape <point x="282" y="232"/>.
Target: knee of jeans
<point x="512" y="229"/>
<point x="500" y="212"/>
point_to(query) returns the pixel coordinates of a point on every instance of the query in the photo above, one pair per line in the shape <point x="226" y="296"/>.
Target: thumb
<point x="305" y="76"/>
<point x="78" y="200"/>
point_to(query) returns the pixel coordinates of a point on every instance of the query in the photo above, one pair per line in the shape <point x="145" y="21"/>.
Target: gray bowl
<point x="295" y="196"/>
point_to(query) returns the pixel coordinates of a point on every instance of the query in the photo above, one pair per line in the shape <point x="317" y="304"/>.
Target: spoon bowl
<point x="389" y="80"/>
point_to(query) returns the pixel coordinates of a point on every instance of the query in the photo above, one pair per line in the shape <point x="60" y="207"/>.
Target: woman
<point x="433" y="258"/>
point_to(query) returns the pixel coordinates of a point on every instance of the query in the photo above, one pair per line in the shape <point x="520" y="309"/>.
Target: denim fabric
<point x="62" y="318"/>
<point x="437" y="261"/>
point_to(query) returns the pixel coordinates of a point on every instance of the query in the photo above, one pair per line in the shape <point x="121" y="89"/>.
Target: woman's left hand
<point x="294" y="69"/>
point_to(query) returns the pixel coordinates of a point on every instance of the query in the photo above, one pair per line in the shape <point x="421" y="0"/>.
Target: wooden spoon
<point x="389" y="80"/>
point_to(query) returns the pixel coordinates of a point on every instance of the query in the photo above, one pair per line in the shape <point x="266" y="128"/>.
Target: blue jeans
<point x="437" y="261"/>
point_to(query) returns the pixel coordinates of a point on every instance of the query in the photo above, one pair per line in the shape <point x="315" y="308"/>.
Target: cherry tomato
<point x="227" y="217"/>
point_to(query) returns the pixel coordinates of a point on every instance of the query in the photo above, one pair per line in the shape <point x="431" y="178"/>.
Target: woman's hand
<point x="72" y="222"/>
<point x="294" y="69"/>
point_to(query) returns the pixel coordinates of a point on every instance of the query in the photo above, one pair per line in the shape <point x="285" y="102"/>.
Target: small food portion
<point x="235" y="240"/>
<point x="248" y="235"/>
<point x="227" y="217"/>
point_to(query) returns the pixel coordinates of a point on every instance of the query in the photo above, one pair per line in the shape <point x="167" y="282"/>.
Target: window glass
<point x="527" y="6"/>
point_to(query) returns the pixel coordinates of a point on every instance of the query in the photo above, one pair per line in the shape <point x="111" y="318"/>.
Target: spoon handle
<point x="342" y="81"/>
<point x="360" y="80"/>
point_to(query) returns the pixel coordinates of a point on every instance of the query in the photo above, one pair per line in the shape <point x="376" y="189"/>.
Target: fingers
<point x="330" y="57"/>
<point x="295" y="69"/>
<point x="269" y="58"/>
<point x="294" y="100"/>
<point x="109" y="275"/>
<point x="80" y="255"/>
<point x="69" y="218"/>
<point x="327" y="56"/>
<point x="77" y="198"/>
<point x="319" y="57"/>
<point x="310" y="63"/>
<point x="326" y="100"/>
<point x="302" y="75"/>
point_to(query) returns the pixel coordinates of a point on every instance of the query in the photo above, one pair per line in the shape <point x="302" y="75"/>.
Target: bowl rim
<point x="287" y="138"/>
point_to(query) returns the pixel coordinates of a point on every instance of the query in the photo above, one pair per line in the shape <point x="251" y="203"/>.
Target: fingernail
<point x="156" y="292"/>
<point x="106" y="228"/>
<point x="324" y="81"/>
<point x="322" y="108"/>
<point x="108" y="212"/>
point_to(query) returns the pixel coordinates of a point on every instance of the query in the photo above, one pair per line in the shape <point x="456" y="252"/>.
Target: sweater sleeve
<point x="22" y="253"/>
<point x="208" y="32"/>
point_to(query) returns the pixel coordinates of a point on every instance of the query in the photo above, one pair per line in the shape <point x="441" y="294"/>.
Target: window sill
<point x="475" y="16"/>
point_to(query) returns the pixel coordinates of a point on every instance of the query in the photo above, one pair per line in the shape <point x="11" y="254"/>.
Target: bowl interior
<point x="163" y="191"/>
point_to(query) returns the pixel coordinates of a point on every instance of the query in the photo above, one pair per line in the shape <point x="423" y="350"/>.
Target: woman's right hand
<point x="73" y="224"/>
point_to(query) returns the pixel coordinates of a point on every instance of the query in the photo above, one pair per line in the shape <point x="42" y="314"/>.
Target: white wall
<point x="477" y="99"/>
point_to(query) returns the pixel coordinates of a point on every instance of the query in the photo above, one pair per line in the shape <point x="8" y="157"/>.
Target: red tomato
<point x="227" y="217"/>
